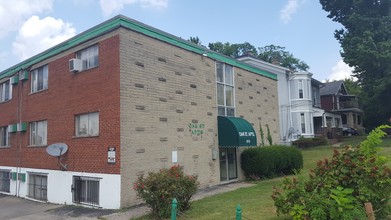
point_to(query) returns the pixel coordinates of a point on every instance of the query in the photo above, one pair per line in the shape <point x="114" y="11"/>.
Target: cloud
<point x="13" y="13"/>
<point x="340" y="71"/>
<point x="37" y="34"/>
<point x="289" y="9"/>
<point x="113" y="6"/>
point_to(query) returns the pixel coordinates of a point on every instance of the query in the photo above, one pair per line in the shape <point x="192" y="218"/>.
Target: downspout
<point x="19" y="140"/>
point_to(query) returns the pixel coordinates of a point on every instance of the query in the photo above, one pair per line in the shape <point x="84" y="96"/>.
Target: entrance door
<point x="228" y="165"/>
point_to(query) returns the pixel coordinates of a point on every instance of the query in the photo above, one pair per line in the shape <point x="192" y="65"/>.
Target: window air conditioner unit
<point x="75" y="65"/>
<point x="13" y="128"/>
<point x="14" y="80"/>
<point x="24" y="75"/>
<point x="22" y="126"/>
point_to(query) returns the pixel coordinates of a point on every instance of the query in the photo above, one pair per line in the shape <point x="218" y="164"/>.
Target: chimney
<point x="276" y="61"/>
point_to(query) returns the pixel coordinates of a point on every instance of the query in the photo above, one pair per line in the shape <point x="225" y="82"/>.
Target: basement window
<point x="85" y="190"/>
<point x="38" y="186"/>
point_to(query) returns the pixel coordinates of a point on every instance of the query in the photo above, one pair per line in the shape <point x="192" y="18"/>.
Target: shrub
<point x="269" y="136"/>
<point x="309" y="142"/>
<point x="266" y="162"/>
<point x="158" y="190"/>
<point x="341" y="186"/>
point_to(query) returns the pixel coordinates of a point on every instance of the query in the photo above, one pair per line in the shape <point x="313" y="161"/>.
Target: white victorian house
<point x="300" y="112"/>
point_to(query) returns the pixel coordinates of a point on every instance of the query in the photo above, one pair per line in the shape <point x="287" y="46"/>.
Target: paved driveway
<point x="14" y="208"/>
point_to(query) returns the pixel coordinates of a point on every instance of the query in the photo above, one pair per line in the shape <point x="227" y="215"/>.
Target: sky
<point x="28" y="27"/>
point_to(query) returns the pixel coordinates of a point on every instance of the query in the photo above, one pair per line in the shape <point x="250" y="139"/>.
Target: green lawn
<point x="256" y="201"/>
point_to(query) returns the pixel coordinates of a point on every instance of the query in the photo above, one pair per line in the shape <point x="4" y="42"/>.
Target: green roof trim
<point x="235" y="132"/>
<point x="122" y="21"/>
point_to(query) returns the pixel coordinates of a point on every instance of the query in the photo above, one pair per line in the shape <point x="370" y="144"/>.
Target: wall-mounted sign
<point x="196" y="128"/>
<point x="246" y="134"/>
<point x="111" y="155"/>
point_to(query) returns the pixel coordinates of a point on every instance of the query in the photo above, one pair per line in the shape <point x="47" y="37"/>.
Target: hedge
<point x="309" y="142"/>
<point x="271" y="161"/>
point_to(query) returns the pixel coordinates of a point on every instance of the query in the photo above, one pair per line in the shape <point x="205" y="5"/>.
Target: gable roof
<point x="128" y="23"/>
<point x="332" y="88"/>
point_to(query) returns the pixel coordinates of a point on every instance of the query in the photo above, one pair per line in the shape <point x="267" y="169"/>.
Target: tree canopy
<point x="269" y="53"/>
<point x="366" y="45"/>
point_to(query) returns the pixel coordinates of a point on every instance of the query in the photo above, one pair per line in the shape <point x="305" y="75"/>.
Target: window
<point x="38" y="133"/>
<point x="225" y="89"/>
<point x="89" y="57"/>
<point x="4" y="136"/>
<point x="85" y="190"/>
<point x="337" y="122"/>
<point x="301" y="93"/>
<point x="38" y="186"/>
<point x="302" y="119"/>
<point x="4" y="181"/>
<point x="5" y="91"/>
<point x="39" y="79"/>
<point x="87" y="124"/>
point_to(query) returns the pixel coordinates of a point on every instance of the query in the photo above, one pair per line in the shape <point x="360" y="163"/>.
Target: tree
<point x="195" y="40"/>
<point x="352" y="86"/>
<point x="270" y="53"/>
<point x="366" y="42"/>
<point x="232" y="50"/>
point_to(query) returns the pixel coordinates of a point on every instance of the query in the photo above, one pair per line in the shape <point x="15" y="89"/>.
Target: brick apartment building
<point x="126" y="98"/>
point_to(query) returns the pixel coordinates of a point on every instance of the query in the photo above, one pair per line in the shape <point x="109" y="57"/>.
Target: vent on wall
<point x="75" y="65"/>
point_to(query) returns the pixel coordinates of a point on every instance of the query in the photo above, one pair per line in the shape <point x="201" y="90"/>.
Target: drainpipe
<point x="19" y="141"/>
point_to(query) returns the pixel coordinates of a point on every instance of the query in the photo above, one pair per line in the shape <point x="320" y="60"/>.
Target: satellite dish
<point x="57" y="149"/>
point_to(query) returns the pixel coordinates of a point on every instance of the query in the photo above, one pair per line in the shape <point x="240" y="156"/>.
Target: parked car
<point x="347" y="131"/>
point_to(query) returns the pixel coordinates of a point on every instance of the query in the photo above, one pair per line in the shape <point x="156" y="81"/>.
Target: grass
<point x="256" y="202"/>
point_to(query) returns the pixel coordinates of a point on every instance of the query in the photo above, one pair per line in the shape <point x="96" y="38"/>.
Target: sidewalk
<point x="141" y="210"/>
<point x="15" y="208"/>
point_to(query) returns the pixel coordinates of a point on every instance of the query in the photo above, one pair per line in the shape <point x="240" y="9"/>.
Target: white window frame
<point x="39" y="79"/>
<point x="87" y="125"/>
<point x="5" y="91"/>
<point x="300" y="89"/>
<point x="224" y="83"/>
<point x="4" y="136"/>
<point x="89" y="57"/>
<point x="38" y="133"/>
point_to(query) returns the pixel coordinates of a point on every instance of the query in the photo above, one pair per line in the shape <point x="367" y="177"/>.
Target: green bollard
<point x="174" y="209"/>
<point x="238" y="212"/>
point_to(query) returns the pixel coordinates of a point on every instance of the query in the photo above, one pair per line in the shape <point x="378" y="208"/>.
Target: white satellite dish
<point x="57" y="149"/>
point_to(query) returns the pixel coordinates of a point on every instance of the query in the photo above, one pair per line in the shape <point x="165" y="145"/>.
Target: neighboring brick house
<point x="335" y="98"/>
<point x="126" y="98"/>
